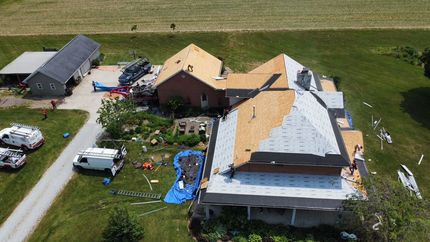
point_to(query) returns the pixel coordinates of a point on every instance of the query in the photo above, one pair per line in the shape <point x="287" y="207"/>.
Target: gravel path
<point x="26" y="216"/>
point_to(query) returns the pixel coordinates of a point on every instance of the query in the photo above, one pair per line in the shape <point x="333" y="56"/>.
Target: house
<point x="65" y="68"/>
<point x="194" y="75"/>
<point x="280" y="152"/>
<point x="25" y="64"/>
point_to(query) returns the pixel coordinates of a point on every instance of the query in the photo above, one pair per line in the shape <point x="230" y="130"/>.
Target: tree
<point x="122" y="227"/>
<point x="113" y="114"/>
<point x="425" y="59"/>
<point x="174" y="104"/>
<point x="403" y="217"/>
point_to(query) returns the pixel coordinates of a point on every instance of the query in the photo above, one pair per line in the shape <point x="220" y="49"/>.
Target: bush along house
<point x="285" y="150"/>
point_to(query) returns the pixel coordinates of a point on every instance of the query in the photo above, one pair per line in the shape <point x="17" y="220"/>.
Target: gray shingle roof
<point x="65" y="63"/>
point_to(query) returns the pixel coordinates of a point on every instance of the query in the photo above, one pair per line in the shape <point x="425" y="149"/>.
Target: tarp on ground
<point x="103" y="87"/>
<point x="176" y="195"/>
<point x="349" y="118"/>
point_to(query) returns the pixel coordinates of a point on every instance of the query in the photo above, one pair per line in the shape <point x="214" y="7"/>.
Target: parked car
<point x="23" y="136"/>
<point x="135" y="70"/>
<point x="10" y="158"/>
<point x="102" y="159"/>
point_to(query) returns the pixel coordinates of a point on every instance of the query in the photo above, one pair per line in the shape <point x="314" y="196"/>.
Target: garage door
<point x="85" y="67"/>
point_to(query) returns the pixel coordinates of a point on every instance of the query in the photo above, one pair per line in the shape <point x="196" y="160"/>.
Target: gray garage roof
<point x="65" y="63"/>
<point x="27" y="62"/>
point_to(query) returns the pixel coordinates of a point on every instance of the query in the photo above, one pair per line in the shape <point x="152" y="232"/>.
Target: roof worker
<point x="94" y="85"/>
<point x="353" y="167"/>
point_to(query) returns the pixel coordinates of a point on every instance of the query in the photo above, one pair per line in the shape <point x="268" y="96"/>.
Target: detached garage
<point x="65" y="69"/>
<point x="25" y="64"/>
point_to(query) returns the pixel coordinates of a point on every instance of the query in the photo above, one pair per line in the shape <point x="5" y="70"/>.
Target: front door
<point x="204" y="101"/>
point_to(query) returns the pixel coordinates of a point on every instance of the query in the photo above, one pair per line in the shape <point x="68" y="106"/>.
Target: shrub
<point x="240" y="239"/>
<point x="255" y="238"/>
<point x="189" y="140"/>
<point x="122" y="227"/>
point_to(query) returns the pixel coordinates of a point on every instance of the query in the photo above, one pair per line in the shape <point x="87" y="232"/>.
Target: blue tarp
<point x="349" y="118"/>
<point x="175" y="194"/>
<point x="103" y="87"/>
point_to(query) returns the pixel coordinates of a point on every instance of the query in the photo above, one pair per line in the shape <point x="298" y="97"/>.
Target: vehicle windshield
<point x="130" y="70"/>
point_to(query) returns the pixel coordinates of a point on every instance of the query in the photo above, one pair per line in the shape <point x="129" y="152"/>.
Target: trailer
<point x="11" y="158"/>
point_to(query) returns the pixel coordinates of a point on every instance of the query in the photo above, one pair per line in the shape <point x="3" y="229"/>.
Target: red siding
<point x="191" y="89"/>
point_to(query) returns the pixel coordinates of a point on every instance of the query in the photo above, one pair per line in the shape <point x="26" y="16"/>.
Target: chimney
<point x="253" y="112"/>
<point x="304" y="77"/>
<point x="190" y="68"/>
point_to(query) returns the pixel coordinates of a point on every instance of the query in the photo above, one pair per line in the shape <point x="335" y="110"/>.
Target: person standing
<point x="94" y="86"/>
<point x="54" y="104"/>
<point x="45" y="113"/>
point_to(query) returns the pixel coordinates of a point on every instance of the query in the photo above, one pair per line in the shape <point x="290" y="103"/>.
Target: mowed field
<point x="28" y="17"/>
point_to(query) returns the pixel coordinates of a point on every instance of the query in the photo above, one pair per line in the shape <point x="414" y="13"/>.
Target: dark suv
<point x="135" y="70"/>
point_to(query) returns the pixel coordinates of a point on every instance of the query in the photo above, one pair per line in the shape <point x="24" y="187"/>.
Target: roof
<point x="247" y="80"/>
<point x="332" y="99"/>
<point x="27" y="62"/>
<point x="64" y="64"/>
<point x="328" y="85"/>
<point x="271" y="189"/>
<point x="275" y="65"/>
<point x="197" y="63"/>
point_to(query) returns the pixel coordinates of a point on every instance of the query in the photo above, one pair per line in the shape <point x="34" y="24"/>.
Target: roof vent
<point x="190" y="68"/>
<point x="304" y="77"/>
<point x="253" y="112"/>
<point x="178" y="61"/>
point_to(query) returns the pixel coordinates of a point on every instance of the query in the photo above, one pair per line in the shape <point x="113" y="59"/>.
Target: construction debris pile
<point x="190" y="167"/>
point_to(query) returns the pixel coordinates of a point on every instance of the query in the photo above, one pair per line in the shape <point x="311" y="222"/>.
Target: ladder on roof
<point x="99" y="154"/>
<point x="24" y="126"/>
<point x="136" y="194"/>
<point x="12" y="153"/>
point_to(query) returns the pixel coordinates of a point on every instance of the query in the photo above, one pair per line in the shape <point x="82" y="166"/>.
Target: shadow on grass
<point x="416" y="103"/>
<point x="86" y="172"/>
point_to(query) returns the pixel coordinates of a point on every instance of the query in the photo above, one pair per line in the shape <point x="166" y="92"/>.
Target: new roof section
<point x="196" y="62"/>
<point x="64" y="64"/>
<point x="27" y="62"/>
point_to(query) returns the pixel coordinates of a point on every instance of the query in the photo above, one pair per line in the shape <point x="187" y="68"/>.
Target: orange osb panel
<point x="274" y="66"/>
<point x="328" y="86"/>
<point x="351" y="138"/>
<point x="271" y="107"/>
<point x="196" y="62"/>
<point x="247" y="80"/>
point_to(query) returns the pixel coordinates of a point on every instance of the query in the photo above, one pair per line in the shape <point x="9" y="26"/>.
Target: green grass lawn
<point x="15" y="184"/>
<point x="34" y="17"/>
<point x="81" y="212"/>
<point x="397" y="90"/>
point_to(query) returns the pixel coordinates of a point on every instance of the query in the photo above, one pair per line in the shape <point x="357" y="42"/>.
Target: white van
<point x="109" y="160"/>
<point x="23" y="136"/>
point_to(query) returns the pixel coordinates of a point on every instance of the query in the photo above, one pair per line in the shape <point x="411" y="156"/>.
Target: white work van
<point x="10" y="158"/>
<point x="109" y="160"/>
<point x="26" y="137"/>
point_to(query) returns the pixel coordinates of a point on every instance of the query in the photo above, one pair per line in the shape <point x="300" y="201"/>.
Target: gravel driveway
<point x="26" y="216"/>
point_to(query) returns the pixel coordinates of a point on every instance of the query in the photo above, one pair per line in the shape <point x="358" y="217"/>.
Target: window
<point x="83" y="160"/>
<point x="39" y="85"/>
<point x="52" y="86"/>
<point x="204" y="98"/>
